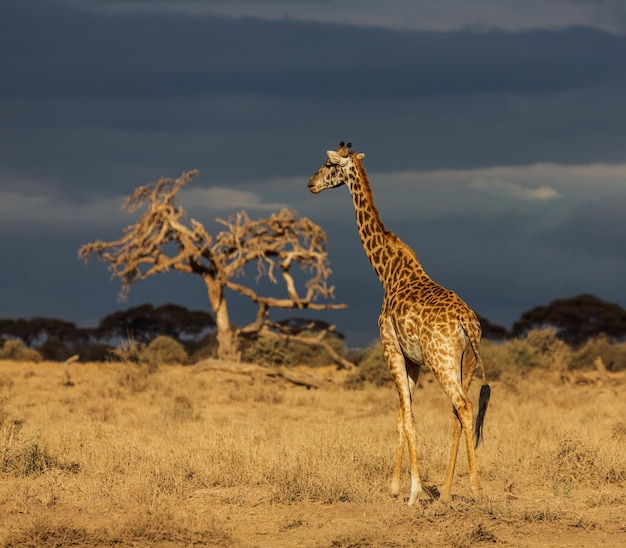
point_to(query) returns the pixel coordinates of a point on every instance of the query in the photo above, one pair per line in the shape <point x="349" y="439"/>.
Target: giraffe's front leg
<point x="416" y="483"/>
<point x="397" y="365"/>
<point x="395" y="480"/>
<point x="412" y="370"/>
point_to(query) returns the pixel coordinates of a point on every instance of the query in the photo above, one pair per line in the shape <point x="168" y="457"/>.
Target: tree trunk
<point x="227" y="343"/>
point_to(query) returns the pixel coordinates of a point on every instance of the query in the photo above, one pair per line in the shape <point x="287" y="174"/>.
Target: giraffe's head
<point x="340" y="168"/>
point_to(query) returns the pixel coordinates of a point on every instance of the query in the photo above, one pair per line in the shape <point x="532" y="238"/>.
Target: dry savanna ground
<point x="185" y="457"/>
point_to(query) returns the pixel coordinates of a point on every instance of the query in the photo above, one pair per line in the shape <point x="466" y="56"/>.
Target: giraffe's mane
<point x="366" y="188"/>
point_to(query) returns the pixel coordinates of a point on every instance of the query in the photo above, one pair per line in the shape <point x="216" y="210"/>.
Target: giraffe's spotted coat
<point x="421" y="323"/>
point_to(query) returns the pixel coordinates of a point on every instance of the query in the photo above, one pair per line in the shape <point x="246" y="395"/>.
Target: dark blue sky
<point x="495" y="140"/>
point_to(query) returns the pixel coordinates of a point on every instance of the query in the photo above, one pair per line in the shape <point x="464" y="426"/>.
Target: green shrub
<point x="15" y="349"/>
<point x="31" y="355"/>
<point x="161" y="350"/>
<point x="613" y="355"/>
<point x="24" y="458"/>
<point x="315" y="356"/>
<point x="496" y="358"/>
<point x="540" y="348"/>
<point x="93" y="352"/>
<point x="274" y="351"/>
<point x="203" y="349"/>
<point x="128" y="351"/>
<point x="546" y="344"/>
<point x="164" y="350"/>
<point x="371" y="368"/>
<point x="266" y="351"/>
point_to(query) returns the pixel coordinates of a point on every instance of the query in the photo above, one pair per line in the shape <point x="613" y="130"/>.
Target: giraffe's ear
<point x="360" y="155"/>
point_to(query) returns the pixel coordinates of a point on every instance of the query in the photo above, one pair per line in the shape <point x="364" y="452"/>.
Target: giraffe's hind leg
<point x="462" y="422"/>
<point x="446" y="493"/>
<point x="412" y="370"/>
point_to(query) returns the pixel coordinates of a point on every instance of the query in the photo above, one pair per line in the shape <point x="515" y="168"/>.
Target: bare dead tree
<point x="163" y="239"/>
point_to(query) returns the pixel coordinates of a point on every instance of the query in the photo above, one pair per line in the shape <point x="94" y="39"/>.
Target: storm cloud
<point x="496" y="147"/>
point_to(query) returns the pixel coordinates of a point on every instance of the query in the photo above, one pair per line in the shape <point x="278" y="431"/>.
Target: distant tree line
<point x="576" y="320"/>
<point x="56" y="339"/>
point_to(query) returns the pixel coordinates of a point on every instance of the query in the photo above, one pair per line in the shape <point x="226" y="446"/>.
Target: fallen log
<point x="251" y="369"/>
<point x="299" y="378"/>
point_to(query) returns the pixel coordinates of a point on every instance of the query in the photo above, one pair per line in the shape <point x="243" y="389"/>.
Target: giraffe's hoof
<point x="414" y="498"/>
<point x="419" y="494"/>
<point x="445" y="495"/>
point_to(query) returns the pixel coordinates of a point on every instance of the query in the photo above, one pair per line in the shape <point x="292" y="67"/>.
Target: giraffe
<point x="421" y="324"/>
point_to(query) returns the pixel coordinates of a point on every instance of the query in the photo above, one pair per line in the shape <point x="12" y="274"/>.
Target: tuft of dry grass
<point x="146" y="457"/>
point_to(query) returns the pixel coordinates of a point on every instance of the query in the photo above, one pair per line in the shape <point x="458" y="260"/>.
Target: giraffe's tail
<point x="483" y="403"/>
<point x="485" y="390"/>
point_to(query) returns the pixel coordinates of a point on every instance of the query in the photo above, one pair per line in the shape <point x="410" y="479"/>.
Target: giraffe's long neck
<point x="389" y="256"/>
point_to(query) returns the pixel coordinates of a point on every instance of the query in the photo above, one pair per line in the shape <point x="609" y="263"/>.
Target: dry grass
<point x="127" y="457"/>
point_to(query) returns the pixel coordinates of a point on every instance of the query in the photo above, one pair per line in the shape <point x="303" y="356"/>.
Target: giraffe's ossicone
<point x="421" y="324"/>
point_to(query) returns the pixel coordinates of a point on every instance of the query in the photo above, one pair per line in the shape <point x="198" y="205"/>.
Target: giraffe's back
<point x="429" y="319"/>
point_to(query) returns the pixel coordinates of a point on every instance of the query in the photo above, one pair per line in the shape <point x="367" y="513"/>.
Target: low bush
<point x="161" y="350"/>
<point x="15" y="349"/>
<point x="23" y="458"/>
<point x="164" y="350"/>
<point x="371" y="368"/>
<point x="613" y="355"/>
<point x="275" y="351"/>
<point x="539" y="349"/>
<point x="128" y="351"/>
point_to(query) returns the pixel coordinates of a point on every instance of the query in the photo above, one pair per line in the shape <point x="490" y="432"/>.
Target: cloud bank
<point x="493" y="132"/>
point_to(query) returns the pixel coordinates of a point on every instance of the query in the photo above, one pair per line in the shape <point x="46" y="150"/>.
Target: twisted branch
<point x="164" y="239"/>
